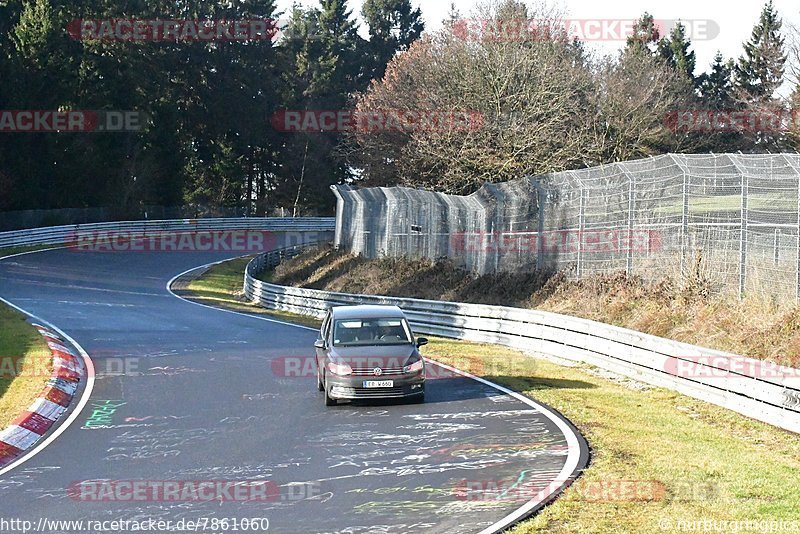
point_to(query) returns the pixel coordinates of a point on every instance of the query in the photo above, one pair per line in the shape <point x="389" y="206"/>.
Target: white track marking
<point x="573" y="443"/>
<point x="206" y="266"/>
<point x="32" y="252"/>
<point x="573" y="454"/>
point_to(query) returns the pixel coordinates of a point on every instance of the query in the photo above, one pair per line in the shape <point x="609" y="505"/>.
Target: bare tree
<point x="793" y="79"/>
<point x="636" y="94"/>
<point x="544" y="104"/>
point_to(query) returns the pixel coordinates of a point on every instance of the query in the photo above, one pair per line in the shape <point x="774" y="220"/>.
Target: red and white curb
<point x="28" y="428"/>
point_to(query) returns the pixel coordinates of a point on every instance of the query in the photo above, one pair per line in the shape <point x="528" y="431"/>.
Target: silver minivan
<point x="369" y="352"/>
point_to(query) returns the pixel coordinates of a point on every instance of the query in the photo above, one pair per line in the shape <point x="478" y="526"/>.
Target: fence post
<point x="685" y="220"/>
<point x="389" y="216"/>
<point x="497" y="230"/>
<point x="743" y="239"/>
<point x="340" y="215"/>
<point x="797" y="272"/>
<point x="581" y="229"/>
<point x="631" y="211"/>
<point x="542" y="198"/>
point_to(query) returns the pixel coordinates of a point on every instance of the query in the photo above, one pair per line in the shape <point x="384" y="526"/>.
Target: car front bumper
<point x="352" y="388"/>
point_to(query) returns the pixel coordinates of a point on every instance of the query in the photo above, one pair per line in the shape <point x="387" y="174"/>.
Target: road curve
<point x="203" y="397"/>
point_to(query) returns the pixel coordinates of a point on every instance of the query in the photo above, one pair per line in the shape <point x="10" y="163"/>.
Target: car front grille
<point x="389" y="371"/>
<point x="368" y="393"/>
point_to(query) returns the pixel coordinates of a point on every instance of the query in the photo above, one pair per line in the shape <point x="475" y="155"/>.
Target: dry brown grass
<point x="686" y="310"/>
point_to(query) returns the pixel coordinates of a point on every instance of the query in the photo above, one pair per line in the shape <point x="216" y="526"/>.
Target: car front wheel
<point x="329" y="401"/>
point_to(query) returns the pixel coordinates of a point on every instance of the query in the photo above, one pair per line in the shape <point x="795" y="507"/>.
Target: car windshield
<point x="352" y="332"/>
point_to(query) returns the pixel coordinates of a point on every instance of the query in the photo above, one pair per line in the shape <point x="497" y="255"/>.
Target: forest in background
<point x="547" y="104"/>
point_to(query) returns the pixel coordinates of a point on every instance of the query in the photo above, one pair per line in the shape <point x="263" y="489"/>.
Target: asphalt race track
<point x="189" y="393"/>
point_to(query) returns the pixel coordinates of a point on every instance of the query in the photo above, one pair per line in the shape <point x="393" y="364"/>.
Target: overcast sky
<point x="734" y="18"/>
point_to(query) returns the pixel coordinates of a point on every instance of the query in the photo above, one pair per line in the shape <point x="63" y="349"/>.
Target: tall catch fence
<point x="732" y="218"/>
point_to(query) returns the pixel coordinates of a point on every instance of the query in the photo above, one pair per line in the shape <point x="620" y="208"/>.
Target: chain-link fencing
<point x="730" y="219"/>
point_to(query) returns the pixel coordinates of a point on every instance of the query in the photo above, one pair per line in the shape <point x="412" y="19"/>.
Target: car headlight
<point x="415" y="367"/>
<point x="341" y="369"/>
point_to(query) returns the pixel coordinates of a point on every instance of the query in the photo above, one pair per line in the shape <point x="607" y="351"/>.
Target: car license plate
<point x="379" y="384"/>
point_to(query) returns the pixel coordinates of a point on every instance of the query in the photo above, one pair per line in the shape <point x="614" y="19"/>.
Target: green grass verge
<point x="658" y="457"/>
<point x="25" y="364"/>
<point x="222" y="286"/>
<point x="711" y="463"/>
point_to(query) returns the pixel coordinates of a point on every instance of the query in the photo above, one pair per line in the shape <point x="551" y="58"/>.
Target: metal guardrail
<point x="272" y="259"/>
<point x="61" y="235"/>
<point x="709" y="375"/>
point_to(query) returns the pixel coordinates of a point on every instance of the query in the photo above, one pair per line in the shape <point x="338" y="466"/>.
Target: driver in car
<point x="388" y="333"/>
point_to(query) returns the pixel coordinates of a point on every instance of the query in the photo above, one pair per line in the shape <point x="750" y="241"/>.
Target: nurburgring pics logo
<point x="522" y="30"/>
<point x="377" y="121"/>
<point x="71" y="121"/>
<point x="175" y="30"/>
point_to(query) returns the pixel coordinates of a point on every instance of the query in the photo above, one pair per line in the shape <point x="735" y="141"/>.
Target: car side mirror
<point x="320" y="343"/>
<point x="422" y="341"/>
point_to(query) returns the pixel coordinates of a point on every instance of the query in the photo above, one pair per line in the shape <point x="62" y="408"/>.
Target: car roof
<point x="366" y="312"/>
